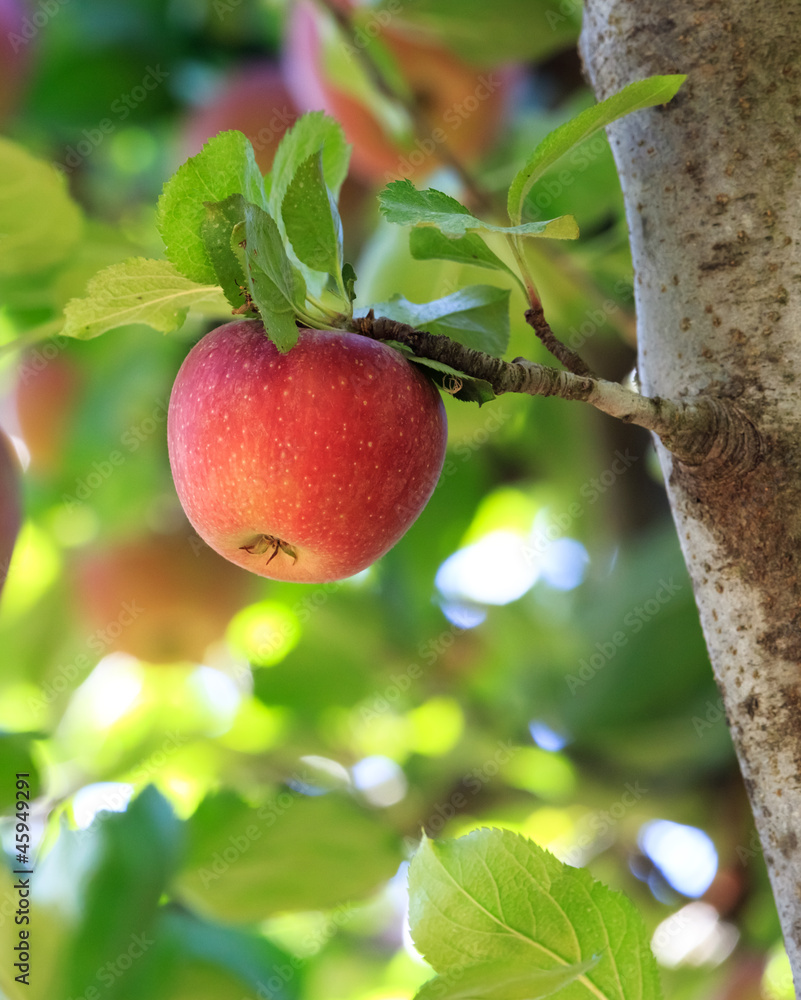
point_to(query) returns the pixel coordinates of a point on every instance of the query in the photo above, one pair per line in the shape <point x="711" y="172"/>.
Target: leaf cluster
<point x="271" y="247"/>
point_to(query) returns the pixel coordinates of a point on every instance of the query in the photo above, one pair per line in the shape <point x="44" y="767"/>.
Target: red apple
<point x="464" y="108"/>
<point x="305" y="466"/>
<point x="163" y="598"/>
<point x="47" y="392"/>
<point x="254" y="100"/>
<point x="10" y="504"/>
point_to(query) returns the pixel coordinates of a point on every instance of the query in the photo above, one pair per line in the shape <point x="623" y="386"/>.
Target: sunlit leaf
<point x="503" y="980"/>
<point x="226" y="165"/>
<point x="495" y="896"/>
<point x="642" y="94"/>
<point x="138" y="290"/>
<point x="404" y="205"/>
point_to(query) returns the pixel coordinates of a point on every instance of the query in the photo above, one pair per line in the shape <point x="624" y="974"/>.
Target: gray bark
<point x="712" y="185"/>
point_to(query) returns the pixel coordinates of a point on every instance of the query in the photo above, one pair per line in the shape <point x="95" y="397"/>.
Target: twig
<point x="535" y="318"/>
<point x="700" y="430"/>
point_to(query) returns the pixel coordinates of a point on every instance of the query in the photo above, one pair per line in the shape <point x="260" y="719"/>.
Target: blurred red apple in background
<point x="162" y="598"/>
<point x="305" y="466"/>
<point x="17" y="31"/>
<point x="46" y="393"/>
<point x="10" y="504"/>
<point x="464" y="108"/>
<point x="253" y="100"/>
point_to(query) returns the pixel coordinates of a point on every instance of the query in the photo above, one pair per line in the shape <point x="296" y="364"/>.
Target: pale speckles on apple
<point x="243" y="484"/>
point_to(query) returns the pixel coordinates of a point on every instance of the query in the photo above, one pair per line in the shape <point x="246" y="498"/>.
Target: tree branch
<point x="703" y="430"/>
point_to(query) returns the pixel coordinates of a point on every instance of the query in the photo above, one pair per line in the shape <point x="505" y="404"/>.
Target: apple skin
<point x="163" y="598"/>
<point x="445" y="86"/>
<point x="305" y="466"/>
<point x="10" y="504"/>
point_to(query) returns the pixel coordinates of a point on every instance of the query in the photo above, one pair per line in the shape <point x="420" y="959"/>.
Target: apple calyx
<point x="263" y="543"/>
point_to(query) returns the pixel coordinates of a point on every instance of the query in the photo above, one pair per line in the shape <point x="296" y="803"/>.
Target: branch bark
<point x="713" y="196"/>
<point x="701" y="430"/>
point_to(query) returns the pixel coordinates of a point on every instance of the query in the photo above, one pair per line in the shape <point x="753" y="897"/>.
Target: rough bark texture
<point x="712" y="185"/>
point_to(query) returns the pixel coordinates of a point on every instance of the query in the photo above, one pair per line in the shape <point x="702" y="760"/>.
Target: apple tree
<point x="462" y="690"/>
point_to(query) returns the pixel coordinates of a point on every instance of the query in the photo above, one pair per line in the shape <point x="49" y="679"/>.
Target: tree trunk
<point x="712" y="185"/>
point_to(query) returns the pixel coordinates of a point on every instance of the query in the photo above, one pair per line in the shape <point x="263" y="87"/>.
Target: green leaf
<point x="311" y="218"/>
<point x="275" y="284"/>
<point x="639" y="95"/>
<point x="426" y="243"/>
<point x="194" y="959"/>
<point x="226" y="165"/>
<point x="349" y="281"/>
<point x="221" y="219"/>
<point x="503" y="980"/>
<point x="294" y="852"/>
<point x="39" y="221"/>
<point x="139" y="291"/>
<point x="310" y="133"/>
<point x="498" y="897"/>
<point x="450" y="380"/>
<point x="476" y="316"/>
<point x="123" y="892"/>
<point x="404" y="205"/>
<point x="16" y="753"/>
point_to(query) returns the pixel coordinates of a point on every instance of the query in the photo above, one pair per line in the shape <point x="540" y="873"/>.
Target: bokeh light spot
<point x="498" y="569"/>
<point x="264" y="633"/>
<point x="685" y="855"/>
